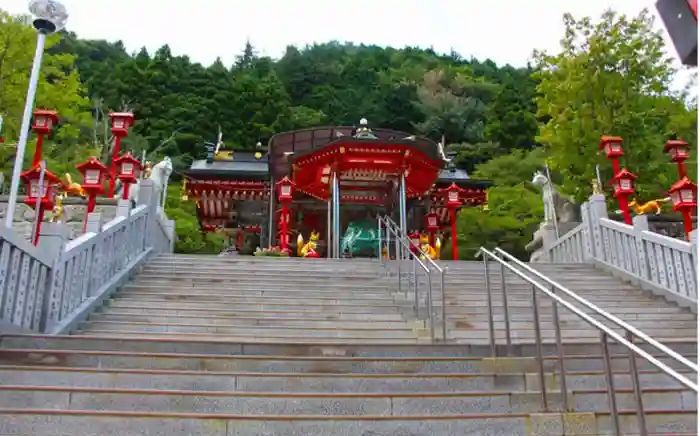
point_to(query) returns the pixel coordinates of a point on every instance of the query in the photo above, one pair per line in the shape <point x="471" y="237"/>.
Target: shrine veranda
<point x="252" y="193"/>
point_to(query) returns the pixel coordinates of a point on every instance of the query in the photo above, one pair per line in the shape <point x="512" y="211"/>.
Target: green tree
<point x="611" y="77"/>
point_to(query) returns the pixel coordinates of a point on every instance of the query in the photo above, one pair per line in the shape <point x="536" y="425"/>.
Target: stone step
<point x="267" y="274"/>
<point x="253" y="283"/>
<point x="246" y="339"/>
<point x="546" y="308"/>
<point x="570" y="335"/>
<point x="127" y="310"/>
<point x="291" y="332"/>
<point x="99" y="423"/>
<point x="319" y="382"/>
<point x="253" y="278"/>
<point x="258" y="290"/>
<point x="106" y="359"/>
<point x="565" y="316"/>
<point x="323" y="404"/>
<point x="241" y="322"/>
<point x="267" y="305"/>
<point x="231" y="297"/>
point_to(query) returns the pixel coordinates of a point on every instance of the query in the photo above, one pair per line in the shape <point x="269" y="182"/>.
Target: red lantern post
<point x="678" y="151"/>
<point x="623" y="182"/>
<point x="128" y="168"/>
<point x="121" y="121"/>
<point x="613" y="150"/>
<point x="93" y="177"/>
<point x="35" y="199"/>
<point x="414" y="237"/>
<point x="684" y="196"/>
<point x="44" y="120"/>
<point x="285" y="189"/>
<point x="453" y="201"/>
<point x="432" y="226"/>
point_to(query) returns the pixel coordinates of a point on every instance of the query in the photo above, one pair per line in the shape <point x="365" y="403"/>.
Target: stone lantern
<point x="684" y="197"/>
<point x="128" y="168"/>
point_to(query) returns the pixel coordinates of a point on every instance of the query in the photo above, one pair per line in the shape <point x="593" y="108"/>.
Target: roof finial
<point x="363" y="121"/>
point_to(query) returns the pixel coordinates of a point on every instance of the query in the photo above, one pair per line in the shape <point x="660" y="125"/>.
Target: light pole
<point x="49" y="17"/>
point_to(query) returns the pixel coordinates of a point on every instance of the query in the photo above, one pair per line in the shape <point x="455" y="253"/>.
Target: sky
<point x="505" y="31"/>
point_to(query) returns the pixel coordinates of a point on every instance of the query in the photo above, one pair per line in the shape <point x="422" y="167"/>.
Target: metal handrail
<point x="636" y="332"/>
<point x="605" y="333"/>
<point x="396" y="230"/>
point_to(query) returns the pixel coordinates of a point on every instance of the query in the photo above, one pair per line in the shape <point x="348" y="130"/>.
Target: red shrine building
<point x="324" y="178"/>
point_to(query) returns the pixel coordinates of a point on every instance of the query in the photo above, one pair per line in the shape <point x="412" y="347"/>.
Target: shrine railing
<point x="55" y="286"/>
<point x="663" y="265"/>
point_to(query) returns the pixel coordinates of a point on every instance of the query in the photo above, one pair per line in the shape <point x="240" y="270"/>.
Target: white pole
<point x="24" y="130"/>
<point x="597" y="175"/>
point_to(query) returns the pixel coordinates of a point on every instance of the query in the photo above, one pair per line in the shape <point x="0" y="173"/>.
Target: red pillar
<point x="687" y="223"/>
<point x="40" y="218"/>
<point x="125" y="193"/>
<point x="90" y="209"/>
<point x="37" y="153"/>
<point x="284" y="232"/>
<point x="623" y="201"/>
<point x="453" y="222"/>
<point x="113" y="168"/>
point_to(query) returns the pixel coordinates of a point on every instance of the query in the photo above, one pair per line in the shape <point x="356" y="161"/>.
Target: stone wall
<point x="73" y="214"/>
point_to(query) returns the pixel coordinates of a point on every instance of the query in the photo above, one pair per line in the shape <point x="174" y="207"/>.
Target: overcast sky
<point x="504" y="30"/>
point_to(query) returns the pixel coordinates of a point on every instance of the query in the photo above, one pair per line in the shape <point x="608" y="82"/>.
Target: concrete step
<point x="242" y="322"/>
<point x="106" y="359"/>
<point x="129" y="378"/>
<point x="127" y="310"/>
<point x="402" y="332"/>
<point x="323" y="404"/>
<point x="253" y="279"/>
<point x="265" y="307"/>
<point x="265" y="284"/>
<point x="231" y="297"/>
<point x="96" y="423"/>
<point x="189" y="273"/>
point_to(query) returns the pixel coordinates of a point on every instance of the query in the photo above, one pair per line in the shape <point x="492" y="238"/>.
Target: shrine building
<point x="324" y="178"/>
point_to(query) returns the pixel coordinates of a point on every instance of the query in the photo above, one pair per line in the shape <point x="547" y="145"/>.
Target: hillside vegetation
<point x="610" y="77"/>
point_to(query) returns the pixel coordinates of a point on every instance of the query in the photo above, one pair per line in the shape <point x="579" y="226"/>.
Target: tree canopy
<point x="610" y="77"/>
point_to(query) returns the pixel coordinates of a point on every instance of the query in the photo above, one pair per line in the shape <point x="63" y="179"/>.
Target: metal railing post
<point x="429" y="297"/>
<point x="560" y="355"/>
<point x="612" y="398"/>
<point x="538" y="346"/>
<point x="416" y="300"/>
<point x="506" y="317"/>
<point x="442" y="308"/>
<point x="379" y="239"/>
<point x="638" y="401"/>
<point x="492" y="333"/>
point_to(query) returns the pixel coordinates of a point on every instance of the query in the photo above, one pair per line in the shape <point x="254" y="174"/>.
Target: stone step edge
<point x="348" y="375"/>
<point x="401" y="326"/>
<point x="117" y="313"/>
<point x="315" y="395"/>
<point x="234" y="417"/>
<point x="403" y="359"/>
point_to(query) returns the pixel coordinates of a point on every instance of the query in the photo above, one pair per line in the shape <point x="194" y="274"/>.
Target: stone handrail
<point x="52" y="288"/>
<point x="663" y="265"/>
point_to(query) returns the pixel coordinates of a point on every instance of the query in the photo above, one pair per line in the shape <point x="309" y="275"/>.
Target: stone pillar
<point x="52" y="242"/>
<point x="639" y="255"/>
<point x="94" y="223"/>
<point x="170" y="225"/>
<point x="124" y="207"/>
<point x="148" y="195"/>
<point x="597" y="210"/>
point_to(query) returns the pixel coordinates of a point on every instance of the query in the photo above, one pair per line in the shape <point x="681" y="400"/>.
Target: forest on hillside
<point x="611" y="76"/>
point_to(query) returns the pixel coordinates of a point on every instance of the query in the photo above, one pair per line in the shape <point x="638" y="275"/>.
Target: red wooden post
<point x="285" y="189"/>
<point x="453" y="201"/>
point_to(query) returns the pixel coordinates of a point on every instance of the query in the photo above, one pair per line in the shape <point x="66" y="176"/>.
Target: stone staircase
<point x="467" y="305"/>
<point x="255" y="346"/>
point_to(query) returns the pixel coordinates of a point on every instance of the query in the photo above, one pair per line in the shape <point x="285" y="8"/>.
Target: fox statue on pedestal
<point x="308" y="249"/>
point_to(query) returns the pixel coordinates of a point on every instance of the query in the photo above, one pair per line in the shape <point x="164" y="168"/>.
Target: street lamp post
<point x="49" y="17"/>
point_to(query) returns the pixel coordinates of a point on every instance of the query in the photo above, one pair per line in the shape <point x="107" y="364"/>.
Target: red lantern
<point x="121" y="121"/>
<point x="677" y="149"/>
<point x="44" y="120"/>
<point x="37" y="198"/>
<point x="431" y="221"/>
<point x="623" y="182"/>
<point x="684" y="195"/>
<point x="94" y="174"/>
<point x="612" y="146"/>
<point x="128" y="168"/>
<point x="285" y="189"/>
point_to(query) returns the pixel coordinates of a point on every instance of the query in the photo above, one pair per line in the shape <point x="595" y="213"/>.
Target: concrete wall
<point x="73" y="214"/>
